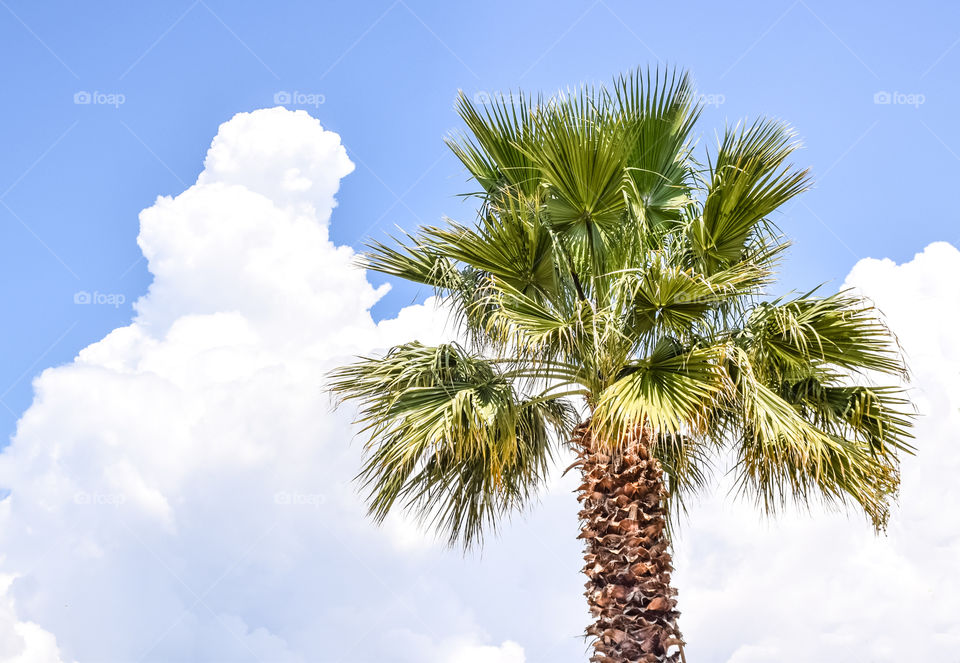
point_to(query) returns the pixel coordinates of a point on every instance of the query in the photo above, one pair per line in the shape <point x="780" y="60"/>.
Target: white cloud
<point x="508" y="652"/>
<point x="823" y="587"/>
<point x="182" y="491"/>
<point x="452" y="650"/>
<point x="22" y="642"/>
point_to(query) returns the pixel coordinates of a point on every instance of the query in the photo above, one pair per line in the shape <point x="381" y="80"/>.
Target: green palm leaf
<point x="670" y="391"/>
<point x="658" y="113"/>
<point x="450" y="437"/>
<point x="607" y="273"/>
<point x="747" y="181"/>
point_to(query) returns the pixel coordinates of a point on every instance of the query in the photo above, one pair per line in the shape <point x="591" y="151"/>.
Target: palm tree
<point x="611" y="297"/>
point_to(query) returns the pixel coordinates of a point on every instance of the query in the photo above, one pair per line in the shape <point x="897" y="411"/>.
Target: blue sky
<point x="182" y="491"/>
<point x="162" y="77"/>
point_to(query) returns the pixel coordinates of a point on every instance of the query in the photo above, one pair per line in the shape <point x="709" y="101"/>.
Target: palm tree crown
<point x="610" y="264"/>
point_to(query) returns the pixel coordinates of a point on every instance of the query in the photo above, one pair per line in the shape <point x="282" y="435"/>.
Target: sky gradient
<point x="178" y="487"/>
<point x="384" y="76"/>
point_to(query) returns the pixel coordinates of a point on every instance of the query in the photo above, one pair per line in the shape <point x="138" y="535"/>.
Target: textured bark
<point x="627" y="564"/>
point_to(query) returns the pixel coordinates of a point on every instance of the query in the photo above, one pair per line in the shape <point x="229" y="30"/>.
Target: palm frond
<point x="798" y="451"/>
<point x="658" y="113"/>
<point x="510" y="243"/>
<point x="581" y="155"/>
<point x="450" y="439"/>
<point x="665" y="298"/>
<point x="747" y="181"/>
<point x="495" y="154"/>
<point x="536" y="329"/>
<point x="840" y="330"/>
<point x="878" y="417"/>
<point x="412" y="259"/>
<point x="605" y="262"/>
<point x="687" y="466"/>
<point x="670" y="391"/>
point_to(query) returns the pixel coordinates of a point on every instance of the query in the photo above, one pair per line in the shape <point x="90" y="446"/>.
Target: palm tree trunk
<point x="627" y="564"/>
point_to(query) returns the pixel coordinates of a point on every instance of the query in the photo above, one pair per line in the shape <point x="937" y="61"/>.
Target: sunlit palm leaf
<point x="449" y="437"/>
<point x="509" y="243"/>
<point x="670" y="391"/>
<point x="748" y="181"/>
<point x="667" y="298"/>
<point x="658" y="112"/>
<point x="581" y="155"/>
<point x="840" y="330"/>
<point x="785" y="455"/>
<point x="500" y="129"/>
<point x="602" y="263"/>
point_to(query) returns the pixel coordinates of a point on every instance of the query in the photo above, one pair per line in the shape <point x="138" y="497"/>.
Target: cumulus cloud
<point x="508" y="652"/>
<point x="821" y="586"/>
<point x="22" y="642"/>
<point x="182" y="490"/>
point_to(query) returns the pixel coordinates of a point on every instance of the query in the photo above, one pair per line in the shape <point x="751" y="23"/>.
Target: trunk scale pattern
<point x="627" y="564"/>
